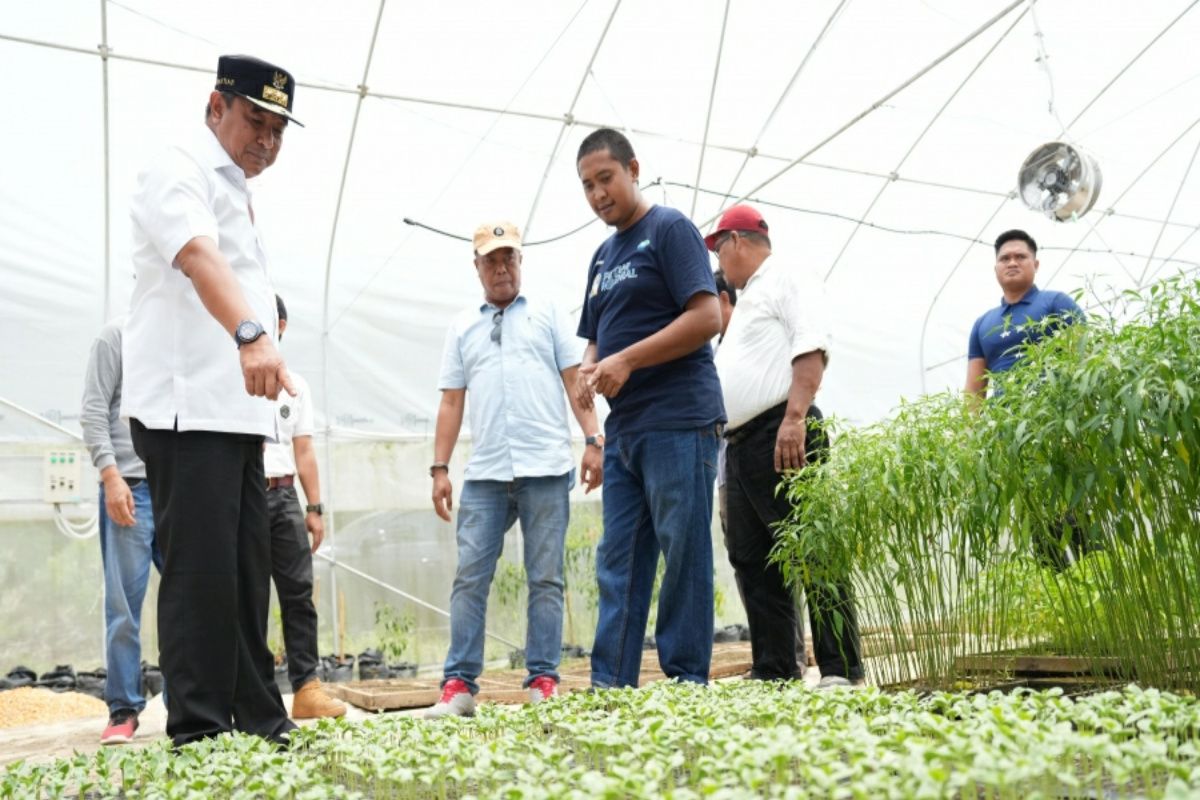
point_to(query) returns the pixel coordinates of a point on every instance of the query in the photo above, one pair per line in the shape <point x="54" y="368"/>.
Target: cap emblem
<point x="279" y="80"/>
<point x="498" y="231"/>
<point x="271" y="94"/>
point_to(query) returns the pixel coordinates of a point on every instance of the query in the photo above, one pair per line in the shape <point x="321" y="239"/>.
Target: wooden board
<point x="729" y="660"/>
<point x="1035" y="665"/>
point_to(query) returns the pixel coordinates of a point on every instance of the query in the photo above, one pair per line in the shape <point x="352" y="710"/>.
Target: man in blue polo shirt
<point x="649" y="312"/>
<point x="515" y="356"/>
<point x="997" y="336"/>
<point x="995" y="346"/>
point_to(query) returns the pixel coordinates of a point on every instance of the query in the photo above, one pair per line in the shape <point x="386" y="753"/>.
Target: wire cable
<point x="458" y="237"/>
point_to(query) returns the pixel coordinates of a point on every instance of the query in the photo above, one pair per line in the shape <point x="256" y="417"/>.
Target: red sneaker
<point x="121" y="727"/>
<point x="543" y="687"/>
<point x="456" y="701"/>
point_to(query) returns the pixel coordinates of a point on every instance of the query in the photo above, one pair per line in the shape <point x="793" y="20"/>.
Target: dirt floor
<point x="56" y="740"/>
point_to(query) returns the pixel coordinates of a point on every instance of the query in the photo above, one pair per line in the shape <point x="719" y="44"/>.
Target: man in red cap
<point x="770" y="363"/>
<point x="201" y="368"/>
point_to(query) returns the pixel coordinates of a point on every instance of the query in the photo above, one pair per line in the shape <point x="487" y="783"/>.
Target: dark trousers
<point x="292" y="571"/>
<point x="753" y="507"/>
<point x="210" y="511"/>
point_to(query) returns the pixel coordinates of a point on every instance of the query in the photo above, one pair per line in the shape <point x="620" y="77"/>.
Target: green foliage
<point x="731" y="740"/>
<point x="935" y="514"/>
<point x="394" y="631"/>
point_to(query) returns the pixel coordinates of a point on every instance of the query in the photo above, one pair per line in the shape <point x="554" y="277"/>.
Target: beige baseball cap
<point x="493" y="235"/>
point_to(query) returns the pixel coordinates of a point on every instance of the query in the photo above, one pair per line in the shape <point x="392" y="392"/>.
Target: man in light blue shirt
<point x="517" y="357"/>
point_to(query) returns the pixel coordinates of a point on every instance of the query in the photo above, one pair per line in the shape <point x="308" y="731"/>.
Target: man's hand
<point x="607" y="376"/>
<point x="316" y="528"/>
<point x="583" y="390"/>
<point x="789" y="444"/>
<point x="118" y="499"/>
<point x="591" y="468"/>
<point x="443" y="500"/>
<point x="263" y="369"/>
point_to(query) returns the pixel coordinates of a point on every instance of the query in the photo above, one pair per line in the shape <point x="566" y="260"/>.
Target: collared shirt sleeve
<point x="800" y="305"/>
<point x="99" y="387"/>
<point x="975" y="341"/>
<point x="453" y="374"/>
<point x="172" y="205"/>
<point x="304" y="409"/>
<point x="568" y="348"/>
<point x="1066" y="306"/>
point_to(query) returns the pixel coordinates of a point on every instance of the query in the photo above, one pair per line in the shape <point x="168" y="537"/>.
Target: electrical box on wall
<point x="62" y="472"/>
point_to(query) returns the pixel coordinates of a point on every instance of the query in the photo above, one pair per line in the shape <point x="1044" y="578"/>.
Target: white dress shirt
<point x="181" y="367"/>
<point x="780" y="314"/>
<point x="293" y="417"/>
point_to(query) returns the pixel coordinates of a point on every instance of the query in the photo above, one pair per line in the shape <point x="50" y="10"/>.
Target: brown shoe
<point x="311" y="702"/>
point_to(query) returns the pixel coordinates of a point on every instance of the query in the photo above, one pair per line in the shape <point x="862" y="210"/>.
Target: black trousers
<point x="292" y="571"/>
<point x="210" y="512"/>
<point x="752" y="507"/>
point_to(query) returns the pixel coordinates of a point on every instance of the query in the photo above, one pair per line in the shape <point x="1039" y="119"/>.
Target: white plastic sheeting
<point x="471" y="110"/>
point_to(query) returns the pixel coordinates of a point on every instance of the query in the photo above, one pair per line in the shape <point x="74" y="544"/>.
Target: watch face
<point x="247" y="331"/>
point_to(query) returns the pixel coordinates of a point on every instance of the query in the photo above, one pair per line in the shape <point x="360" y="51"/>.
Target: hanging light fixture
<point x="1060" y="181"/>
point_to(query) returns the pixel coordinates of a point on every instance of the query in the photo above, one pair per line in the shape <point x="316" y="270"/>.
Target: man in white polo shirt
<point x="770" y="363"/>
<point x="200" y="369"/>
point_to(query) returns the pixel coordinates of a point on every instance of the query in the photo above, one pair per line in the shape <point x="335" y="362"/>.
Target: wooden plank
<point x="1028" y="664"/>
<point x="504" y="686"/>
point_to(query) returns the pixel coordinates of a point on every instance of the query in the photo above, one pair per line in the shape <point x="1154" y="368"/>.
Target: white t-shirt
<point x="780" y="315"/>
<point x="181" y="368"/>
<point x="293" y="417"/>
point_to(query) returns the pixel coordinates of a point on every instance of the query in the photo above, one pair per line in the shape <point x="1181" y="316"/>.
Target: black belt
<point x="769" y="418"/>
<point x="132" y="482"/>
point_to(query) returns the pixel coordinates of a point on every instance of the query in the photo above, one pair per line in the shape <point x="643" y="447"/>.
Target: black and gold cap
<point x="266" y="85"/>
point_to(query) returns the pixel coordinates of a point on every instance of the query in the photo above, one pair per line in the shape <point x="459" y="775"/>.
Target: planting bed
<point x="504" y="686"/>
<point x="736" y="739"/>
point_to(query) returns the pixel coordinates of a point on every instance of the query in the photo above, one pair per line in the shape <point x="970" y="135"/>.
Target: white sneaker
<point x="833" y="682"/>
<point x="456" y="701"/>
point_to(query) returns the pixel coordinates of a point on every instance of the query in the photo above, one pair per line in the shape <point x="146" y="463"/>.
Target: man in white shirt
<point x="770" y="363"/>
<point x="200" y="370"/>
<point x="290" y="456"/>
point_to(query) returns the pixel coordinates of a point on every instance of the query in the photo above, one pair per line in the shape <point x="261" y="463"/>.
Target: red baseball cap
<point x="737" y="218"/>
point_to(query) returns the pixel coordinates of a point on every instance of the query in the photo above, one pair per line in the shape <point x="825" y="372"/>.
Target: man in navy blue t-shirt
<point x="997" y="336"/>
<point x="650" y="310"/>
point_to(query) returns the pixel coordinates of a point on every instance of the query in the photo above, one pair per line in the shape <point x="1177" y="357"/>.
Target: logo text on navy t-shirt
<point x="621" y="272"/>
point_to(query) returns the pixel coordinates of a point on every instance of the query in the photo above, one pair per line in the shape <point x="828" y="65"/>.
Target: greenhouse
<point x="1022" y="568"/>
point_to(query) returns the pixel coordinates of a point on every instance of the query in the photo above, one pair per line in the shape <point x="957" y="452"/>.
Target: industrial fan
<point x="1059" y="181"/>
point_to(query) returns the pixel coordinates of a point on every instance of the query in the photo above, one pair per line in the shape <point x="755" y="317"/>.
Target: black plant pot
<point x="92" y="683"/>
<point x="21" y="676"/>
<point x="152" y="680"/>
<point x="338" y="670"/>
<point x="731" y="633"/>
<point x="403" y="669"/>
<point x="574" y="651"/>
<point x="59" y="679"/>
<point x="371" y="666"/>
<point x="281" y="677"/>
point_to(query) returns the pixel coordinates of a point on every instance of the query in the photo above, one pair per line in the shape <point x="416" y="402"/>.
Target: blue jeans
<point x="658" y="497"/>
<point x="127" y="553"/>
<point x="486" y="510"/>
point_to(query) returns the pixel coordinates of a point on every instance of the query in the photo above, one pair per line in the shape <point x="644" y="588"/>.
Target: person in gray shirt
<point x="127" y="541"/>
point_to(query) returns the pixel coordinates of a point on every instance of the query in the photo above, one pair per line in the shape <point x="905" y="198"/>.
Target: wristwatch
<point x="595" y="440"/>
<point x="435" y="466"/>
<point x="317" y="507"/>
<point x="247" y="331"/>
